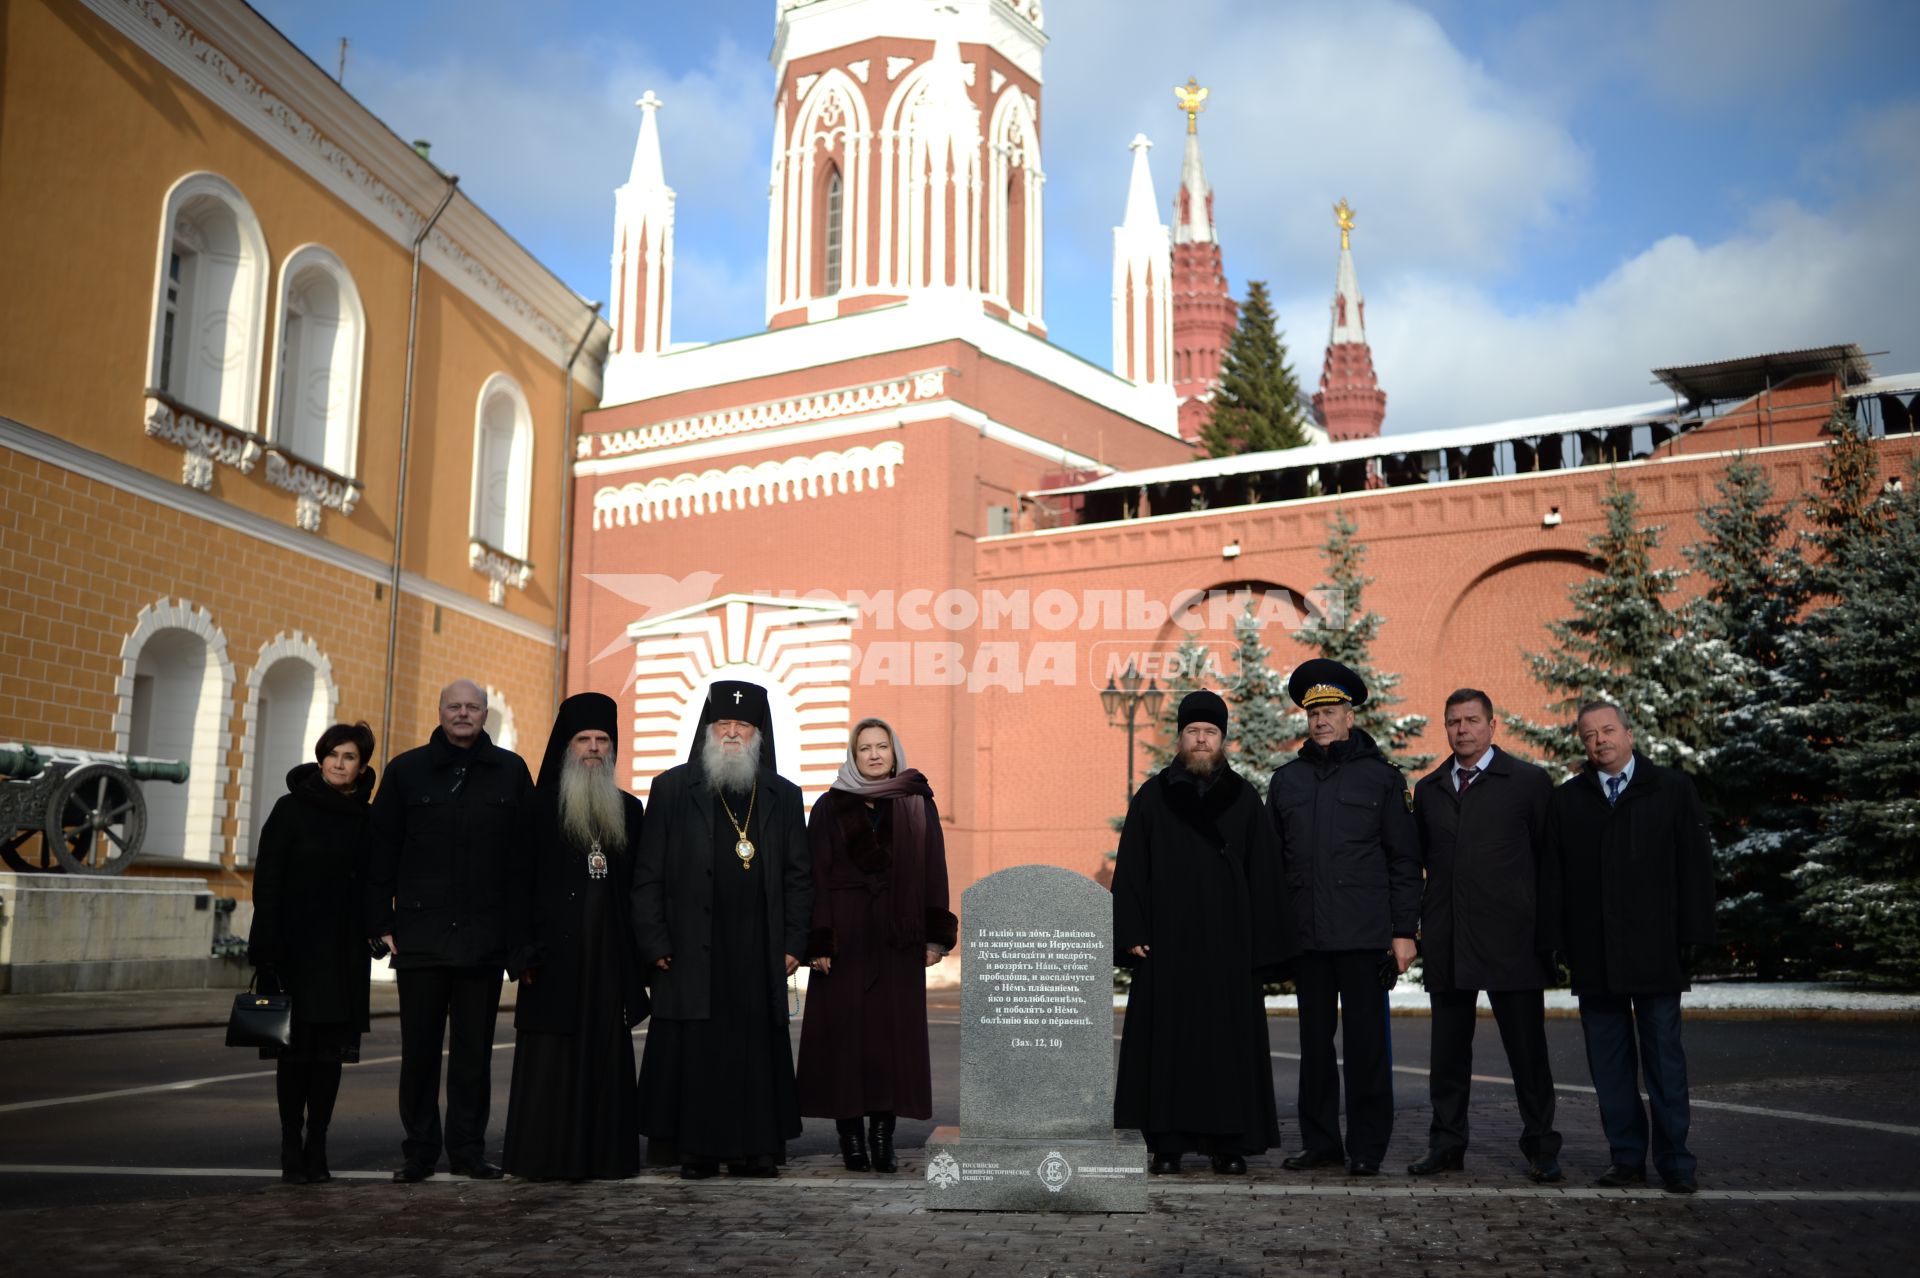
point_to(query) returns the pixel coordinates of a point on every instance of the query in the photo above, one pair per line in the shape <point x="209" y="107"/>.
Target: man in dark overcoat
<point x="1483" y="824"/>
<point x="1200" y="918"/>
<point x="449" y="829"/>
<point x="722" y="902"/>
<point x="1631" y="847"/>
<point x="1352" y="860"/>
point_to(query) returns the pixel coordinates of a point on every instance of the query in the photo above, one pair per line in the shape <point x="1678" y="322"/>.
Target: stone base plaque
<point x="1036" y="1055"/>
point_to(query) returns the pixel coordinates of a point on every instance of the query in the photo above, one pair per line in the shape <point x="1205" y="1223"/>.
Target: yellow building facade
<point x="260" y="472"/>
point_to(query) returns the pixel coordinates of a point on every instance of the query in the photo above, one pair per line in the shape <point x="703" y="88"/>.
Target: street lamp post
<point x="1126" y="702"/>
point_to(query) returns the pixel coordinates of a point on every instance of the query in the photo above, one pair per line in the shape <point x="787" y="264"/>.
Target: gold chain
<point x="739" y="830"/>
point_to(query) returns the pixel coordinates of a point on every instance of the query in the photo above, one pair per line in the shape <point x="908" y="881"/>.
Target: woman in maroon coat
<point x="880" y="918"/>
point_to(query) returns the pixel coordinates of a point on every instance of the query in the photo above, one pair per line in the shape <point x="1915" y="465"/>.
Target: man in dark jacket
<point x="449" y="828"/>
<point x="1352" y="858"/>
<point x="722" y="903"/>
<point x="1630" y="844"/>
<point x="1200" y="917"/>
<point x="1483" y="817"/>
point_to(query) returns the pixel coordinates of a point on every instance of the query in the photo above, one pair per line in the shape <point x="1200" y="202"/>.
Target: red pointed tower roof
<point x="1204" y="313"/>
<point x="1349" y="403"/>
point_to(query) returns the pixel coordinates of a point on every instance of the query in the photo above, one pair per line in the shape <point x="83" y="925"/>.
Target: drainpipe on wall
<point x="566" y="505"/>
<point x="406" y="450"/>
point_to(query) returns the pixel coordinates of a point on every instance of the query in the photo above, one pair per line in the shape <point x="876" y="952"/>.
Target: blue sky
<point x="1553" y="197"/>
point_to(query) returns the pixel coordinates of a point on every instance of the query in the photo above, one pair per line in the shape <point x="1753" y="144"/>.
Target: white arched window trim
<point x="833" y="116"/>
<point x="1014" y="134"/>
<point x="282" y="647"/>
<point x="240" y="407"/>
<point x="482" y="553"/>
<point x="207" y="775"/>
<point x="342" y="450"/>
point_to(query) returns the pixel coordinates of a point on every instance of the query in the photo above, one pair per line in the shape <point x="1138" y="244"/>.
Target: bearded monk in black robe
<point x="1199" y="915"/>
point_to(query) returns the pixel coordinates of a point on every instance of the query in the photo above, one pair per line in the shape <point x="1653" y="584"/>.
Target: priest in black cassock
<point x="722" y="900"/>
<point x="1200" y="916"/>
<point x="574" y="1111"/>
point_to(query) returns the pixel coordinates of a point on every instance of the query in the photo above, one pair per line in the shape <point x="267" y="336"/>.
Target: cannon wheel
<point x="96" y="820"/>
<point x="11" y="843"/>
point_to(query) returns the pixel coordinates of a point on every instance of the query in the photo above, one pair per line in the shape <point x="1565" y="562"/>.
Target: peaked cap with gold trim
<point x="1321" y="682"/>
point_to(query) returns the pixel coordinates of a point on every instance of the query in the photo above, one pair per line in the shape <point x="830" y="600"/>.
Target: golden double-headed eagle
<point x="1193" y="100"/>
<point x="1343" y="214"/>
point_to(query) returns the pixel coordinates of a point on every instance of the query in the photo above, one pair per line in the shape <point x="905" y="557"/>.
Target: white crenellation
<point x="796" y="479"/>
<point x="206" y="442"/>
<point x="825" y="406"/>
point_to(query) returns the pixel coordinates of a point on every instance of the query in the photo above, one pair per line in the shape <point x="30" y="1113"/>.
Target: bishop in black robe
<point x="1200" y="917"/>
<point x="574" y="1109"/>
<point x="722" y="900"/>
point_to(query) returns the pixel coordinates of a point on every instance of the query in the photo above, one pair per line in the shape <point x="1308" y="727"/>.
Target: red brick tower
<point x="1204" y="314"/>
<point x="1349" y="403"/>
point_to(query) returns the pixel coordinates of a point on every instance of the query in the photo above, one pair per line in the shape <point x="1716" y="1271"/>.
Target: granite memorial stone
<point x="1036" y="1055"/>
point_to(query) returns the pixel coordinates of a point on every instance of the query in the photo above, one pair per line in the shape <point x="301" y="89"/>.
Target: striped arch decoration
<point x="801" y="650"/>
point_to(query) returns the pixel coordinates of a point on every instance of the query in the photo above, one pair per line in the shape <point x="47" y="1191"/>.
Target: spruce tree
<point x="1623" y="645"/>
<point x="1761" y="773"/>
<point x="1845" y="508"/>
<point x="1257" y="407"/>
<point x="1256" y="699"/>
<point x="1345" y="633"/>
<point x="1862" y="880"/>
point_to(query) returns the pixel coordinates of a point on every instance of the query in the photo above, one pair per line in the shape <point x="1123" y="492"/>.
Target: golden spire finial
<point x="1343" y="214"/>
<point x="1193" y="100"/>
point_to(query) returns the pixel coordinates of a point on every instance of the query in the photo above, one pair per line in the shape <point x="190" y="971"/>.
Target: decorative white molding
<point x="213" y="71"/>
<point x="207" y="776"/>
<point x="796" y="479"/>
<point x="896" y="65"/>
<point x="313" y="487"/>
<point x="500" y="725"/>
<point x="861" y="68"/>
<point x="206" y="441"/>
<point x="995" y="79"/>
<point x="803" y="85"/>
<point x="501" y="570"/>
<point x="827" y="405"/>
<point x="800" y="650"/>
<point x="282" y="647"/>
<point x="145" y="486"/>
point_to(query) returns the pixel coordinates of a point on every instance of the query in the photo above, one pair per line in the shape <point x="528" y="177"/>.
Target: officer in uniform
<point x="1352" y="862"/>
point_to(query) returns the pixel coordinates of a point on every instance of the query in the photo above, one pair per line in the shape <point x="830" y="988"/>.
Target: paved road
<point x="1808" y="1133"/>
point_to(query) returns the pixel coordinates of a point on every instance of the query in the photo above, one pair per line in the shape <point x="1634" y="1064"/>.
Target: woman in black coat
<point x="309" y="935"/>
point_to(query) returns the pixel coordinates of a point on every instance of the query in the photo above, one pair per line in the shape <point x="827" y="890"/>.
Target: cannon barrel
<point x="20" y="761"/>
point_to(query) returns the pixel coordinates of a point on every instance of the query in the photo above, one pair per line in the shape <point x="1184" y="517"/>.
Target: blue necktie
<point x="1613" y="788"/>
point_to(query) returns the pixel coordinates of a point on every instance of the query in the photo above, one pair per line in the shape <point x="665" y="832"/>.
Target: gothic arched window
<point x="833" y="224"/>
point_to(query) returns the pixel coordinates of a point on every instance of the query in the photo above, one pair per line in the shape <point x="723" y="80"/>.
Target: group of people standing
<point x="692" y="915"/>
<point x="1484" y="869"/>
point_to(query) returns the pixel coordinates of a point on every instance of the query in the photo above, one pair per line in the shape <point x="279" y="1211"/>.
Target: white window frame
<point x="241" y="408"/>
<point x="519" y="469"/>
<point x="342" y="455"/>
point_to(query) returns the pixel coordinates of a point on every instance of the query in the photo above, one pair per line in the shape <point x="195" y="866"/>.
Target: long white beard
<point x="591" y="809"/>
<point x="730" y="771"/>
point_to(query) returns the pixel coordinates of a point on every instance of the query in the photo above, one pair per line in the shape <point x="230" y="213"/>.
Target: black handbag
<point x="259" y="1019"/>
<point x="1389" y="971"/>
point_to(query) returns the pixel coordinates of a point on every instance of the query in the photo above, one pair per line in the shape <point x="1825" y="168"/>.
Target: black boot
<point x="315" y="1156"/>
<point x="880" y="1142"/>
<point x="853" y="1144"/>
<point x="293" y="1162"/>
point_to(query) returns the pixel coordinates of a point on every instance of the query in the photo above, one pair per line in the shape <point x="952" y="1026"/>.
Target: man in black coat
<point x="1201" y="919"/>
<point x="449" y="828"/>
<point x="722" y="902"/>
<point x="1630" y="844"/>
<point x="1483" y="817"/>
<point x="1352" y="859"/>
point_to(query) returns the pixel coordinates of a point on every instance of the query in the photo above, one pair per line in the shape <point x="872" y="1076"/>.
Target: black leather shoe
<point x="880" y="1142"/>
<point x="698" y="1171"/>
<point x="478" y="1169"/>
<point x="1164" y="1165"/>
<point x="1679" y="1185"/>
<point x="1619" y="1176"/>
<point x="293" y="1166"/>
<point x="1438" y="1160"/>
<point x="1308" y="1159"/>
<point x="314" y="1156"/>
<point x="411" y="1173"/>
<point x="1358" y="1168"/>
<point x="1545" y="1171"/>
<point x="853" y="1144"/>
<point x="1228" y="1165"/>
